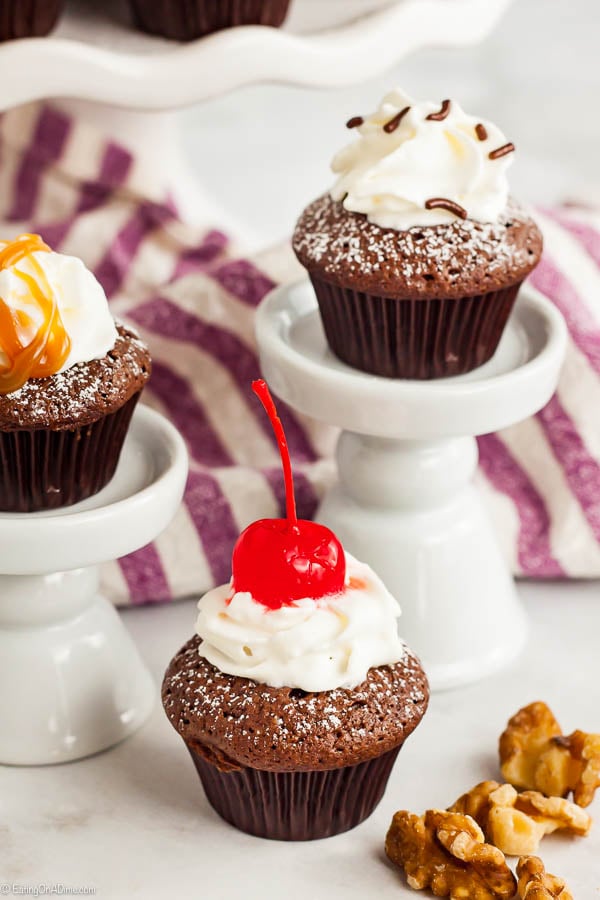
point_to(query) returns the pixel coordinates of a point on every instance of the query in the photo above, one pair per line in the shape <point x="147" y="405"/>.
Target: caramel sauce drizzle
<point x="46" y="353"/>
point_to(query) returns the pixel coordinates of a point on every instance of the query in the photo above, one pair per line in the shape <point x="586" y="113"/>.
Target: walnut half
<point x="447" y="853"/>
<point x="516" y="822"/>
<point x="534" y="754"/>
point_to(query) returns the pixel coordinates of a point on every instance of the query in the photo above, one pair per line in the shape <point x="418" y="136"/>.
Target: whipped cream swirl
<point x="409" y="153"/>
<point x="314" y="645"/>
<point x="80" y="299"/>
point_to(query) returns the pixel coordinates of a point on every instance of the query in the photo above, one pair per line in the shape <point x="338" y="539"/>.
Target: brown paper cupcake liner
<point x="421" y="338"/>
<point x="44" y="469"/>
<point x="28" y="18"/>
<point x="185" y="20"/>
<point x="296" y="806"/>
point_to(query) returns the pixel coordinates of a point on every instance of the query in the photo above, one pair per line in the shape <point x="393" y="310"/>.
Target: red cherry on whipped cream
<point x="282" y="560"/>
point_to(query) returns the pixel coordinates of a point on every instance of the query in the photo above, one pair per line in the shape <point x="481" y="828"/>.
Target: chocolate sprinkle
<point x="501" y="151"/>
<point x="441" y="115"/>
<point x="354" y="122"/>
<point x="481" y="132"/>
<point x="449" y="205"/>
<point x="391" y="126"/>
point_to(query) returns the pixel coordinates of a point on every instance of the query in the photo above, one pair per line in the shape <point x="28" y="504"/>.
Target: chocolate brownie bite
<point x="411" y="284"/>
<point x="70" y="379"/>
<point x="296" y="694"/>
<point x="236" y="728"/>
<point x="28" y="18"/>
<point x="84" y="393"/>
<point x="186" y="20"/>
<point x="434" y="262"/>
<point x="243" y="722"/>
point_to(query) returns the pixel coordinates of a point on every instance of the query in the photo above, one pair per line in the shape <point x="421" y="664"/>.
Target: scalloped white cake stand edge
<point x="131" y="95"/>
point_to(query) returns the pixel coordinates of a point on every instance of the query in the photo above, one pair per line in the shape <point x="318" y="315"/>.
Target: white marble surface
<point x="133" y="822"/>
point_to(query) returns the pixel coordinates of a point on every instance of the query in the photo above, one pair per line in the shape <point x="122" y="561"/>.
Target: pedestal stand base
<point x="410" y="511"/>
<point x="71" y="680"/>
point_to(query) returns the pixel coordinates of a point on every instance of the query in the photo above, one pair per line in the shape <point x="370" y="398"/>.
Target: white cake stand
<point x="95" y="54"/>
<point x="71" y="680"/>
<point x="404" y="501"/>
<point x="128" y="84"/>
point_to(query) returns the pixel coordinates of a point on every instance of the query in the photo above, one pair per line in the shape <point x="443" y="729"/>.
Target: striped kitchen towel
<point x="193" y="300"/>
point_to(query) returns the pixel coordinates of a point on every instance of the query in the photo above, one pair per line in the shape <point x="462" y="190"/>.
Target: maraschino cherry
<point x="282" y="560"/>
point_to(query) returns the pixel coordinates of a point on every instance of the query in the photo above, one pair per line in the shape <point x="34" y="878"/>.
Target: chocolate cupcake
<point x="28" y="18"/>
<point x="69" y="379"/>
<point x="296" y="694"/>
<point x="186" y="20"/>
<point x="417" y="254"/>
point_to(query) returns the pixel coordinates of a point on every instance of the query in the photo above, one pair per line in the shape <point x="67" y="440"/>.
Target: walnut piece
<point x="536" y="884"/>
<point x="572" y="763"/>
<point x="525" y="738"/>
<point x="446" y="852"/>
<point x="534" y="754"/>
<point x="476" y="802"/>
<point x="516" y="822"/>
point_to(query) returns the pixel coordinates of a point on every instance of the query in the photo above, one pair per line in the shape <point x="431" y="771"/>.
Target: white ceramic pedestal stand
<point x="404" y="501"/>
<point x="71" y="680"/>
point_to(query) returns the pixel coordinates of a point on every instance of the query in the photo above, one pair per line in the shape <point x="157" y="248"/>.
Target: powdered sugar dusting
<point x="83" y="393"/>
<point x="288" y="729"/>
<point x="429" y="260"/>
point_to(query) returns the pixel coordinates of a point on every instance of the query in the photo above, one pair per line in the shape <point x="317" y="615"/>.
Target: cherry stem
<point x="263" y="393"/>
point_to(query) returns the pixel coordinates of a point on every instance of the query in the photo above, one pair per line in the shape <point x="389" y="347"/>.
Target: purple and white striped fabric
<point x="193" y="300"/>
